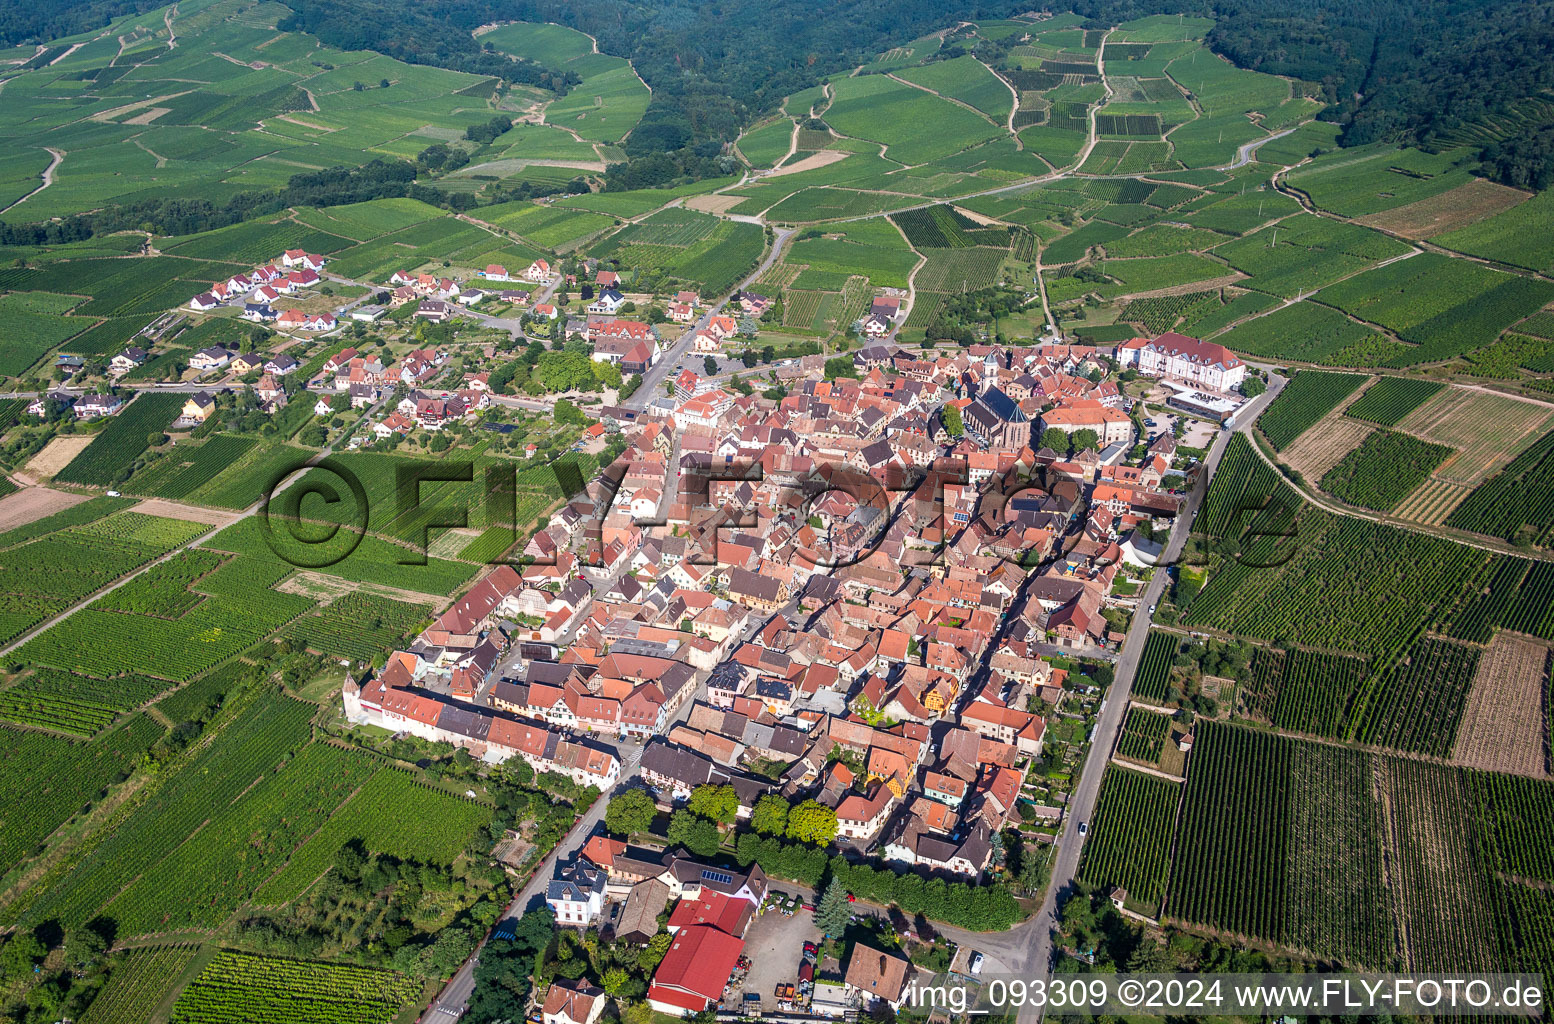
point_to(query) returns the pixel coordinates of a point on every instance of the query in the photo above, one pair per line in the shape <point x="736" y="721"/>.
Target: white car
<point x="1084" y="829"/>
<point x="976" y="963"/>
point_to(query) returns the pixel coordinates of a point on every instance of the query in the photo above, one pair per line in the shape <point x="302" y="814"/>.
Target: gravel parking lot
<point x="776" y="945"/>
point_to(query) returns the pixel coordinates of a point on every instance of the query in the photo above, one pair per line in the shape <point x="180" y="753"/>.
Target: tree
<point x="697" y="835"/>
<point x="1055" y="439"/>
<point x="839" y="366"/>
<point x="1253" y="386"/>
<point x="629" y="813"/>
<point x="1086" y="438"/>
<point x="832" y="913"/>
<point x="566" y="412"/>
<point x="812" y="822"/>
<point x="949" y="415"/>
<point x="770" y="815"/>
<point x="709" y="366"/>
<point x="18" y="955"/>
<point x="717" y="803"/>
<point x="653" y="953"/>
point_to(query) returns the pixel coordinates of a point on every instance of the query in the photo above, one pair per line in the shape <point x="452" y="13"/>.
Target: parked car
<point x="976" y="963"/>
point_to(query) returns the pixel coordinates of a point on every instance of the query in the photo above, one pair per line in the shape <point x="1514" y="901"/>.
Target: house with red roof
<point x="695" y="971"/>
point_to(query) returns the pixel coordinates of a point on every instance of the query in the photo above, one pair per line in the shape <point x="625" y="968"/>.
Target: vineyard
<point x="140" y="980"/>
<point x="75" y="704"/>
<point x="1144" y="735"/>
<point x="185" y="467"/>
<point x="1311" y="395"/>
<point x="1505" y="722"/>
<point x="244" y="842"/>
<point x="357" y="626"/>
<point x="1130" y="845"/>
<point x="44" y="779"/>
<point x="1304" y="691"/>
<point x="1274" y="842"/>
<point x="1417" y="704"/>
<point x="1384" y="469"/>
<point x="1152" y="683"/>
<point x="1518" y="502"/>
<point x="1518" y="595"/>
<point x="237" y="988"/>
<point x="122" y="440"/>
<point x="259" y="737"/>
<point x="1161" y="312"/>
<point x="163" y="590"/>
<point x="1285" y="840"/>
<point x="1390" y="399"/>
<point x="392" y="813"/>
<point x="240" y="610"/>
<point x="47" y="575"/>
<point x="1337" y="583"/>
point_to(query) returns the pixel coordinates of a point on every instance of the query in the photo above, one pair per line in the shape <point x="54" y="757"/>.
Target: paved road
<point x="659" y="371"/>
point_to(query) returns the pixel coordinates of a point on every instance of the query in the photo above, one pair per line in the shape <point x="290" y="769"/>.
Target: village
<point x="882" y="598"/>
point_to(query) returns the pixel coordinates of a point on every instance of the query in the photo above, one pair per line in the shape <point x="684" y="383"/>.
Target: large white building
<point x="1175" y="355"/>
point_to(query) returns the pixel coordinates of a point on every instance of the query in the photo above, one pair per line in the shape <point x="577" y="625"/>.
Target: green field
<point x="876" y="108"/>
<point x="1384" y="469"/>
<point x="1522" y="236"/>
<point x="968" y="80"/>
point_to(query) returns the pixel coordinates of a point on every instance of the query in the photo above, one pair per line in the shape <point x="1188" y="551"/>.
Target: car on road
<point x="1084" y="829"/>
<point x="1152" y="608"/>
<point x="976" y="963"/>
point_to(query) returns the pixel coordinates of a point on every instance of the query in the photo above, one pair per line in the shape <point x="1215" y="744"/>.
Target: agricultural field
<point x="140" y="980"/>
<point x="1130" y="845"/>
<point x="1446" y="307"/>
<point x="357" y="626"/>
<point x="767" y="145"/>
<point x="74" y="704"/>
<point x="1516" y="504"/>
<point x="1143" y="736"/>
<point x="1304" y="691"/>
<point x="1503" y="723"/>
<point x="550" y="228"/>
<point x="47" y="779"/>
<point x="1388" y="401"/>
<point x="1449" y="213"/>
<point x="1308" y="397"/>
<point x="1522" y="236"/>
<point x="236" y="988"/>
<point x="185" y="467"/>
<point x="880" y="109"/>
<point x="47" y="575"/>
<point x="1153" y="682"/>
<point x="1306" y="332"/>
<point x="1417" y="704"/>
<point x="1486" y="429"/>
<point x="1302" y="253"/>
<point x="1357" y="182"/>
<point x="123" y="440"/>
<point x="873" y="248"/>
<point x="1384" y="469"/>
<point x="1514" y="594"/>
<point x="683" y="245"/>
<point x="1285" y="840"/>
<point x="391" y="813"/>
<point x="968" y="80"/>
<point x="1337" y="583"/>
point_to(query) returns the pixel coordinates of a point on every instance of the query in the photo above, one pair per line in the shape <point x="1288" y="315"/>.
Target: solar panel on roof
<point x="721" y="877"/>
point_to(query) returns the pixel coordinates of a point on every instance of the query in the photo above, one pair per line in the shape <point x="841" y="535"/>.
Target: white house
<point x="1202" y="362"/>
<point x="577" y="898"/>
<point x="538" y="271"/>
